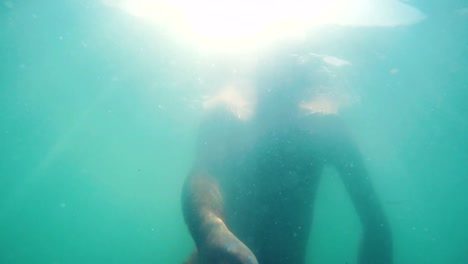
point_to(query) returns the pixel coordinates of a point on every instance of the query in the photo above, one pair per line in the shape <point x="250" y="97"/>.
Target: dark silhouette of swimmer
<point x="249" y="197"/>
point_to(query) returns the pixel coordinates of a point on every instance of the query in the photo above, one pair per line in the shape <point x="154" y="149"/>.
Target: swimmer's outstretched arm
<point x="202" y="205"/>
<point x="376" y="243"/>
<point x="203" y="211"/>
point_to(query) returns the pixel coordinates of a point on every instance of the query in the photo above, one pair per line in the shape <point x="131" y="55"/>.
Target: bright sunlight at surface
<point x="249" y="24"/>
<point x="101" y="106"/>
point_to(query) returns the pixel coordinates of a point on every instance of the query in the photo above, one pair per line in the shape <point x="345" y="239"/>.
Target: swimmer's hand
<point x="221" y="246"/>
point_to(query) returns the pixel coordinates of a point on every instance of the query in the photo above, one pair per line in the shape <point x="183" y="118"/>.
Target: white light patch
<point x="321" y="105"/>
<point x="331" y="60"/>
<point x="238" y="103"/>
<point x="237" y="22"/>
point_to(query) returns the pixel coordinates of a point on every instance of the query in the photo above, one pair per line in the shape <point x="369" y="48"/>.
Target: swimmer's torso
<point x="268" y="174"/>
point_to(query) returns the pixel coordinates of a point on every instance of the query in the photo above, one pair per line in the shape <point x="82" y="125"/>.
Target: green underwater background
<point x="99" y="115"/>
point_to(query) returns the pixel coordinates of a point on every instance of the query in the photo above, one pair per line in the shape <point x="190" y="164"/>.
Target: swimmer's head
<point x="283" y="82"/>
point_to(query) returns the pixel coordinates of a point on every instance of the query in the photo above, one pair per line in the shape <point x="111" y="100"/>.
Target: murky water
<point x="99" y="114"/>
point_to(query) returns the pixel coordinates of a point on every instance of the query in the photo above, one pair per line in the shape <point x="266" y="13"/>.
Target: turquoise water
<point x="99" y="113"/>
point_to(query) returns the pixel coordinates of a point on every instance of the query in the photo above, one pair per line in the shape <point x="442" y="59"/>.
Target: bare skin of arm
<point x="203" y="211"/>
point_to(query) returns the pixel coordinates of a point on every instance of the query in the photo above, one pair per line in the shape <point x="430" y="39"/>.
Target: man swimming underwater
<point x="250" y="194"/>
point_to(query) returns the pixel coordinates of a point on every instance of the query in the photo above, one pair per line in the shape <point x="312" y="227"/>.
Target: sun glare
<point x="243" y="23"/>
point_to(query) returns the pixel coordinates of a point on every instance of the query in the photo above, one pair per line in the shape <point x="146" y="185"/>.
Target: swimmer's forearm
<point x="202" y="205"/>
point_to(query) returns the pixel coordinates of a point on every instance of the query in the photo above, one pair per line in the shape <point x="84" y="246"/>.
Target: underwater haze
<point x="99" y="115"/>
